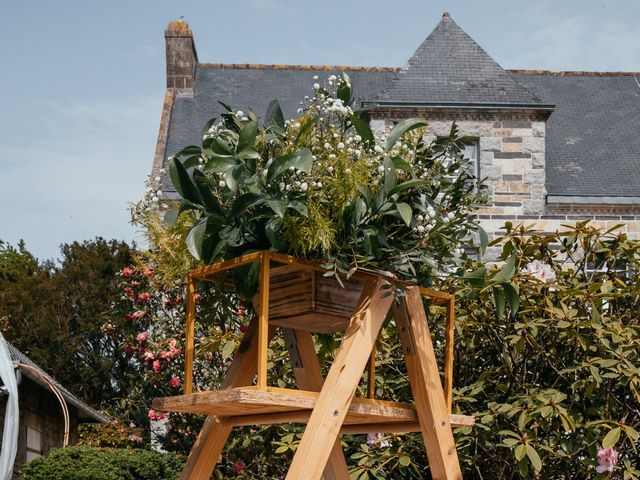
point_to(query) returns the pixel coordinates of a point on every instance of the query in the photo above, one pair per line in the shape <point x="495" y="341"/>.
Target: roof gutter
<point x="461" y="105"/>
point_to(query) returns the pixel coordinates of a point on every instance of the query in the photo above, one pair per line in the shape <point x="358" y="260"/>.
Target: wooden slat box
<point x="304" y="299"/>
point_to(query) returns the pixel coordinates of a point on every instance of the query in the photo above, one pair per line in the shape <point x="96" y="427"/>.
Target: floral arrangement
<point x="324" y="186"/>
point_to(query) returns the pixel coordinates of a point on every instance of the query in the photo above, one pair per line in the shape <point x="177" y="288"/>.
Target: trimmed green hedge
<point x="87" y="463"/>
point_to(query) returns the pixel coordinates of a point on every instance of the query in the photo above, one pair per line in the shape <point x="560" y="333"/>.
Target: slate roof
<point x="85" y="412"/>
<point x="593" y="134"/>
<point x="245" y="87"/>
<point x="450" y="67"/>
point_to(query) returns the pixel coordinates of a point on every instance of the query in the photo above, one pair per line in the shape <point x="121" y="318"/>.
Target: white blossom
<point x="540" y="270"/>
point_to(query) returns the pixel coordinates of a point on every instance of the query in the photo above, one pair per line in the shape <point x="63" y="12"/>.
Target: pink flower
<point x="238" y="466"/>
<point x="197" y="297"/>
<point x="135" y="315"/>
<point x="148" y="271"/>
<point x="156" y="366"/>
<point x="144" y="297"/>
<point x="148" y="355"/>
<point x="174" y="382"/>
<point x="540" y="270"/>
<point x="128" y="349"/>
<point x="129" y="291"/>
<point x="173" y="352"/>
<point x="153" y="415"/>
<point x="378" y="439"/>
<point x="127" y="272"/>
<point x="142" y="337"/>
<point x="607" y="460"/>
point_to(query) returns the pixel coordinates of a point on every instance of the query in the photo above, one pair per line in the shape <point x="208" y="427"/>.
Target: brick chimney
<point x="182" y="57"/>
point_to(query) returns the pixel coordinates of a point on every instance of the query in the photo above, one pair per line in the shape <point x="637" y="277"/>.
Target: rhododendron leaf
<point x="218" y="164"/>
<point x="403" y="127"/>
<point x="343" y="91"/>
<point x="389" y="175"/>
<point x="534" y="458"/>
<point x="278" y="206"/>
<point x="611" y="438"/>
<point x="484" y="239"/>
<point x="405" y="212"/>
<point x="364" y="130"/>
<point x="499" y="301"/>
<point x="301" y="160"/>
<point x="513" y="298"/>
<point x="521" y="451"/>
<point x="182" y="182"/>
<point x="274" y="116"/>
<point x="506" y="272"/>
<point x="220" y="148"/>
<point x="477" y="277"/>
<point x="247" y="137"/>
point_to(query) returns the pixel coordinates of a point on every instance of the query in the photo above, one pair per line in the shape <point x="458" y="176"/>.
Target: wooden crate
<point x="305" y="299"/>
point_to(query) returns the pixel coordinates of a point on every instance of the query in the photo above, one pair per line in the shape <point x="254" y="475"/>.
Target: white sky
<point x="82" y="82"/>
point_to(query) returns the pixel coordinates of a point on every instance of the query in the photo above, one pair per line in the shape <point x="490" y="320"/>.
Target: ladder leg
<point x="426" y="386"/>
<point x="308" y="373"/>
<point x="340" y="385"/>
<point x="213" y="435"/>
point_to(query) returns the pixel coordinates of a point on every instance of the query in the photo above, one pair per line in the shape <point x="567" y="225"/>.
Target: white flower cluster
<point x="541" y="271"/>
<point x="424" y="223"/>
<point x="153" y="195"/>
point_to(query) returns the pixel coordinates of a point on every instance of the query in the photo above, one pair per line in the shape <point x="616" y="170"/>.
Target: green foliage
<point x="559" y="379"/>
<point x="323" y="186"/>
<point x="86" y="463"/>
<point x="110" y="435"/>
<point x="58" y="314"/>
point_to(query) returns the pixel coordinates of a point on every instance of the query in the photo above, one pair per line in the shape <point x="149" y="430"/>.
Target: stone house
<point x="554" y="147"/>
<point x="41" y="421"/>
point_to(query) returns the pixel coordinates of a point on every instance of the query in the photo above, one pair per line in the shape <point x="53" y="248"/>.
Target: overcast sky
<point x="82" y="82"/>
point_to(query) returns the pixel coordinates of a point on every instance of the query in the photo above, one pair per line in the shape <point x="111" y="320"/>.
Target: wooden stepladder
<point x="295" y="297"/>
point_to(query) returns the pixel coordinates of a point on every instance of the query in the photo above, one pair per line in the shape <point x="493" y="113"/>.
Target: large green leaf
<point x="195" y="238"/>
<point x="209" y="201"/>
<point x="611" y="438"/>
<point x="389" y="175"/>
<point x="247" y="137"/>
<point x="499" y="301"/>
<point x="512" y="297"/>
<point x="344" y="89"/>
<point x="484" y="239"/>
<point x="182" y="182"/>
<point x="477" y="277"/>
<point x="301" y="160"/>
<point x="246" y="201"/>
<point x="364" y="130"/>
<point x="403" y="127"/>
<point x="406" y="185"/>
<point x="405" y="212"/>
<point x="305" y="128"/>
<point x="274" y="117"/>
<point x="534" y="458"/>
<point x="506" y="272"/>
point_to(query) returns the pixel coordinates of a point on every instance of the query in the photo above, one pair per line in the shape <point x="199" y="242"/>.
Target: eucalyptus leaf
<point x="182" y="182"/>
<point x="274" y="116"/>
<point x="405" y="212"/>
<point x="301" y="160"/>
<point x="403" y="127"/>
<point x="506" y="272"/>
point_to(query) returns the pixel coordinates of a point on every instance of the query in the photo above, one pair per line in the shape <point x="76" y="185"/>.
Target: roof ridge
<point x="577" y="73"/>
<point x="262" y="66"/>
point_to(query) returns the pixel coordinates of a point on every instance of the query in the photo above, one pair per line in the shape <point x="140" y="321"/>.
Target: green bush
<point x="87" y="463"/>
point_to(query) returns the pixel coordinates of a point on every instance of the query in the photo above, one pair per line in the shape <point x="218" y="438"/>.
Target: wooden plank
<point x="210" y="270"/>
<point x="243" y="401"/>
<point x="448" y="356"/>
<point x="263" y="320"/>
<point x="308" y="375"/>
<point x="371" y="374"/>
<point x="189" y="337"/>
<point x="427" y="388"/>
<point x="213" y="435"/>
<point x="340" y="385"/>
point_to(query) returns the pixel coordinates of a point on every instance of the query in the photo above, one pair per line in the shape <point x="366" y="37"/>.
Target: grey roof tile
<point x="593" y="134"/>
<point x="450" y="67"/>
